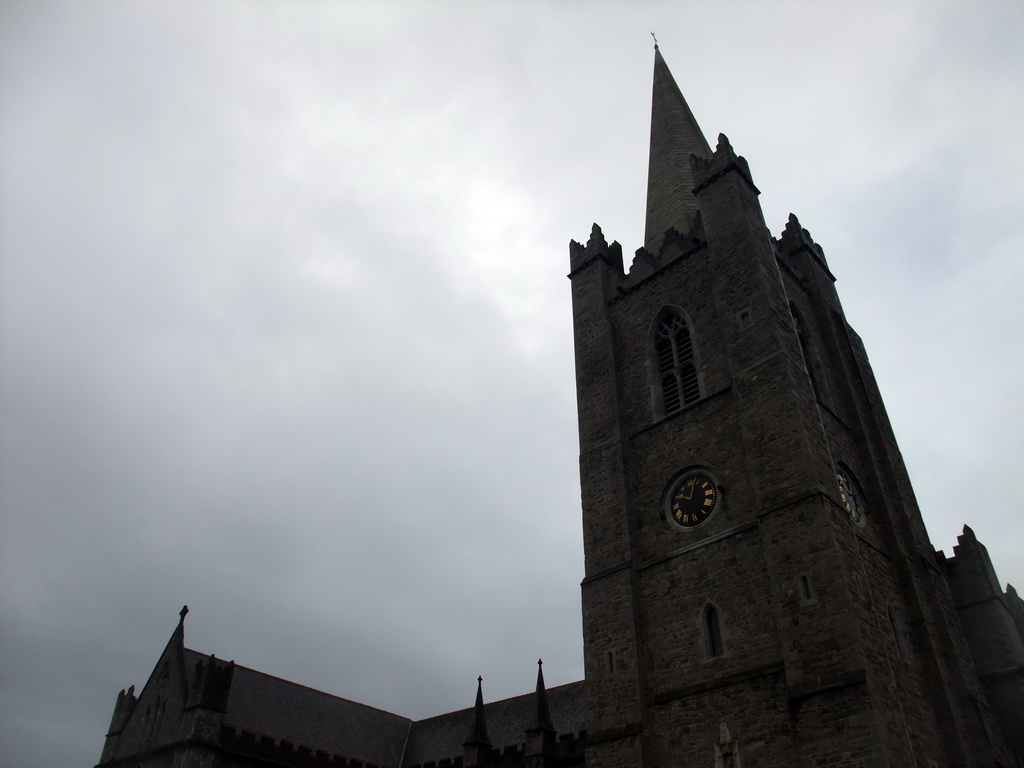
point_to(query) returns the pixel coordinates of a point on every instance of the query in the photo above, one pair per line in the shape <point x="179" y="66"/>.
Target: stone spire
<point x="542" y="717"/>
<point x="675" y="136"/>
<point x="478" y="731"/>
<point x="540" y="734"/>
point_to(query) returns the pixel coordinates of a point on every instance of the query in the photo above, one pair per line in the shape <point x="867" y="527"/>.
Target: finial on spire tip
<point x="655" y="41"/>
<point x="181" y="613"/>
<point x="479" y="678"/>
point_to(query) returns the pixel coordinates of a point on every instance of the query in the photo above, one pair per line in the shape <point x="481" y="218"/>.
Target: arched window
<point x="713" y="631"/>
<point x="674" y="365"/>
<point x="806" y="595"/>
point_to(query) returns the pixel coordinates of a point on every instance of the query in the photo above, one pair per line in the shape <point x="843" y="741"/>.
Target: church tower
<point x="760" y="589"/>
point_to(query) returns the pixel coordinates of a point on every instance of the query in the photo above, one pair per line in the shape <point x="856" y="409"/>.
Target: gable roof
<point x="265" y="705"/>
<point x="439" y="737"/>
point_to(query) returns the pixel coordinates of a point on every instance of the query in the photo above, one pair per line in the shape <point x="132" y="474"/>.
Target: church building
<point x="760" y="590"/>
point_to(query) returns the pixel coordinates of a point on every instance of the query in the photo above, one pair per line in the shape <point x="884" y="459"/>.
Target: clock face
<point x="691" y="499"/>
<point x="850" y="497"/>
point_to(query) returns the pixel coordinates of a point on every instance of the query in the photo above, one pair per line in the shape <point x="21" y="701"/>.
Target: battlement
<point x="569" y="748"/>
<point x="281" y="751"/>
<point x="646" y="263"/>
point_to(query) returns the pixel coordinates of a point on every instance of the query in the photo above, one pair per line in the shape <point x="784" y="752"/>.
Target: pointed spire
<point x="675" y="136"/>
<point x="542" y="717"/>
<point x="478" y="731"/>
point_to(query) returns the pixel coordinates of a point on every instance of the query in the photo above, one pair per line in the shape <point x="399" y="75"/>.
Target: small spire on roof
<point x="542" y="717"/>
<point x="478" y="731"/>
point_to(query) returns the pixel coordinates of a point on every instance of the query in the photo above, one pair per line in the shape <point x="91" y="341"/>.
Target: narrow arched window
<point x="713" y="631"/>
<point x="677" y="382"/>
<point x="805" y="589"/>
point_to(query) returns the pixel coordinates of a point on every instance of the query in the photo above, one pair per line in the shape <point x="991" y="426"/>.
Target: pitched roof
<point x="269" y="706"/>
<point x="438" y="737"/>
<point x="265" y="705"/>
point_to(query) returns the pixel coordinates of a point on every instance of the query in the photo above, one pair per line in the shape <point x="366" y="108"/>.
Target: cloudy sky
<point x="285" y="330"/>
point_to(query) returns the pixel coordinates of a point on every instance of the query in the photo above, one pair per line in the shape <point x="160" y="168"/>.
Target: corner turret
<point x="707" y="169"/>
<point x="796" y="241"/>
<point x="597" y="249"/>
<point x="993" y="622"/>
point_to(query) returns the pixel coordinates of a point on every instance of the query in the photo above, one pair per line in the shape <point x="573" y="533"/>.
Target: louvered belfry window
<point x="677" y="373"/>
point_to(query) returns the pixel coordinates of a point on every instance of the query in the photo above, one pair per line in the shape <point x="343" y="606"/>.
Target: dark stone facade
<point x="804" y="621"/>
<point x="197" y="711"/>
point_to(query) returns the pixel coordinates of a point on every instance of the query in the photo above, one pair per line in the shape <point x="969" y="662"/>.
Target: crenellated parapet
<point x="447" y="762"/>
<point x="283" y="752"/>
<point x="567" y="750"/>
<point x="646" y="263"/>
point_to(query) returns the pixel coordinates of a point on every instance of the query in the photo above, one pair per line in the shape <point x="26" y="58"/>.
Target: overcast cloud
<point x="285" y="332"/>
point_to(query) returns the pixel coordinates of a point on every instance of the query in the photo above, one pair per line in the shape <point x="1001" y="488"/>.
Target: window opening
<point x="805" y="588"/>
<point x="744" y="318"/>
<point x="677" y="373"/>
<point x="713" y="628"/>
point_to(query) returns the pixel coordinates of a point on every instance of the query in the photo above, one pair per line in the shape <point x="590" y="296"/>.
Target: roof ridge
<point x="496" y="702"/>
<point x="306" y="687"/>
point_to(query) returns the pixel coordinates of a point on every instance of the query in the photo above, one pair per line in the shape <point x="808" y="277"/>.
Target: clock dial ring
<point x="690" y="499"/>
<point x="850" y="496"/>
